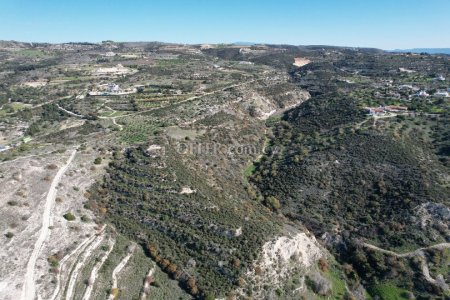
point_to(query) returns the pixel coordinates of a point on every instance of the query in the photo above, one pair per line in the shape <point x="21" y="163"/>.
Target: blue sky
<point x="386" y="24"/>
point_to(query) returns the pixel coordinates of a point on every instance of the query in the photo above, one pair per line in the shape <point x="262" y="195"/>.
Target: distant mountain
<point x="424" y="50"/>
<point x="244" y="43"/>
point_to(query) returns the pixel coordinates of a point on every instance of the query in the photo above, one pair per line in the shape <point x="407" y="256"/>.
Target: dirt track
<point x="416" y="253"/>
<point x="29" y="290"/>
<point x="117" y="270"/>
<point x="94" y="273"/>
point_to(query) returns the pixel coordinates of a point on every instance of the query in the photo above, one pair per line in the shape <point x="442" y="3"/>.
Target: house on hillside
<point x="113" y="88"/>
<point x="395" y="108"/>
<point x="440" y="78"/>
<point x="422" y="94"/>
<point x="379" y="111"/>
<point x="376" y="111"/>
<point x="441" y="94"/>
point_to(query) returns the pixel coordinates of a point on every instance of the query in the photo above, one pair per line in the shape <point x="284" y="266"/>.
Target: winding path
<point x="421" y="255"/>
<point x="79" y="249"/>
<point x="94" y="272"/>
<point x="69" y="112"/>
<point x="29" y="289"/>
<point x="118" y="269"/>
<point x="146" y="289"/>
<point x="78" y="267"/>
<point x="407" y="254"/>
<point x="183" y="101"/>
<point x="117" y="124"/>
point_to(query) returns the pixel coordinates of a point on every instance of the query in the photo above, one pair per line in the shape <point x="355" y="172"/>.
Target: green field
<point x="32" y="53"/>
<point x="387" y="291"/>
<point x="249" y="170"/>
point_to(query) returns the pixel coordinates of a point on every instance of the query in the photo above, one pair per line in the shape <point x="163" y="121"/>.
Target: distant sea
<point x="424" y="50"/>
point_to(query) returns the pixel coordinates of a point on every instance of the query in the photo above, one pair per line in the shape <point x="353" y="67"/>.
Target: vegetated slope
<point x="365" y="182"/>
<point x="201" y="236"/>
<point x="350" y="179"/>
<point x="371" y="189"/>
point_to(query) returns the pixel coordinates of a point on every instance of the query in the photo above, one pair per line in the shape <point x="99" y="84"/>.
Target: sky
<point x="385" y="24"/>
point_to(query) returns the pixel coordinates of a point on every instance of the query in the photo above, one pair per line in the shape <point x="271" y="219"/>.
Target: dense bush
<point x="142" y="199"/>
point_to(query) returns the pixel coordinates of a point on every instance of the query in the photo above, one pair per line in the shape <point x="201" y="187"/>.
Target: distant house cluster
<point x="112" y="89"/>
<point x="378" y="111"/>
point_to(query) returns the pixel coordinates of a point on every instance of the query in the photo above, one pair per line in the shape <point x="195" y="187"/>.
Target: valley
<point x="147" y="170"/>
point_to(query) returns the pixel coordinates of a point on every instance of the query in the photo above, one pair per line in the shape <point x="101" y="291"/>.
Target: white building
<point x="422" y="94"/>
<point x="113" y="88"/>
<point x="441" y="94"/>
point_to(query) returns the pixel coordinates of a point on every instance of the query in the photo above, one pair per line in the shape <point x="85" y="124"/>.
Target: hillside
<point x="357" y="180"/>
<point x="150" y="170"/>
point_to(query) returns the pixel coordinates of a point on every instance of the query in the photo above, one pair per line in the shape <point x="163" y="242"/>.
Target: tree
<point x="171" y="268"/>
<point x="273" y="203"/>
<point x="192" y="286"/>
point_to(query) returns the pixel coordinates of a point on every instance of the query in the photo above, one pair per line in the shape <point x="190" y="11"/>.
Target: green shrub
<point x="273" y="203"/>
<point x="69" y="217"/>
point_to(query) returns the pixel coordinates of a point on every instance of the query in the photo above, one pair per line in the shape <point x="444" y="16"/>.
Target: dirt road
<point x="183" y="101"/>
<point x="146" y="289"/>
<point x="423" y="260"/>
<point x="76" y="252"/>
<point x="70" y="112"/>
<point x="407" y="254"/>
<point x="28" y="289"/>
<point x="117" y="124"/>
<point x="117" y="270"/>
<point x="84" y="257"/>
<point x="94" y="273"/>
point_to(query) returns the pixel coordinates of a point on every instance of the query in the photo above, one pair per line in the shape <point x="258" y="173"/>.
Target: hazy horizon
<point x="349" y="23"/>
<point x="230" y="43"/>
